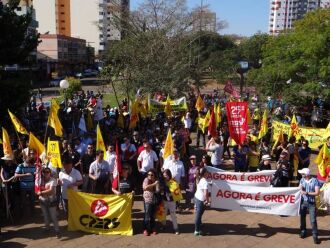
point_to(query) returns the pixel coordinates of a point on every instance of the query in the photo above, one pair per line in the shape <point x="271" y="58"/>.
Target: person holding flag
<point x="323" y="162"/>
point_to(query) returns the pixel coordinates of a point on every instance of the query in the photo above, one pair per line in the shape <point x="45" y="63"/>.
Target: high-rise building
<point x="283" y="13"/>
<point x="204" y="20"/>
<point x="111" y="14"/>
<point x="92" y="20"/>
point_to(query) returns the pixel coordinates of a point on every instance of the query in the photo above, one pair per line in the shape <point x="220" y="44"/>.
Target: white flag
<point x="82" y="124"/>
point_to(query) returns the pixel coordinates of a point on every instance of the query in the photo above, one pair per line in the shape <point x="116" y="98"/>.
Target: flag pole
<point x="45" y="136"/>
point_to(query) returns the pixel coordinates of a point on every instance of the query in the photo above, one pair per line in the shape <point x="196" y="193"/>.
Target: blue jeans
<point x="149" y="217"/>
<point x="200" y="208"/>
<point x="312" y="215"/>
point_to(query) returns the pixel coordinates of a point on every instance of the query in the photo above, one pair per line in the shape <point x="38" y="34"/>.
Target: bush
<point x="74" y="86"/>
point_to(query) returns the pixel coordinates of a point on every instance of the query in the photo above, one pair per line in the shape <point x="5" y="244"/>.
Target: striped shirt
<point x="309" y="186"/>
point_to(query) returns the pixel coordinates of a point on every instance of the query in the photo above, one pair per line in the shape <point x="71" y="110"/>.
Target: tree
<point x="159" y="52"/>
<point x="16" y="43"/>
<point x="296" y="64"/>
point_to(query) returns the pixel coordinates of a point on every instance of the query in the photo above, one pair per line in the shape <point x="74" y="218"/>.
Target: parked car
<point x="55" y="82"/>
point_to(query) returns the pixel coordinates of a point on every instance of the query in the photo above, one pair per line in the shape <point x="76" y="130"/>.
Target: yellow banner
<point x="53" y="153"/>
<point x="179" y="105"/>
<point x="315" y="136"/>
<point x="100" y="214"/>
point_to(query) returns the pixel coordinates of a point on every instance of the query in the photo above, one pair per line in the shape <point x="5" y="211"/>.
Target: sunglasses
<point x="125" y="169"/>
<point x="47" y="172"/>
<point x="89" y="147"/>
<point x="152" y="175"/>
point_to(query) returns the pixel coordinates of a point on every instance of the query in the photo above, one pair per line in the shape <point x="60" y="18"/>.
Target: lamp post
<point x="243" y="68"/>
<point x="64" y="84"/>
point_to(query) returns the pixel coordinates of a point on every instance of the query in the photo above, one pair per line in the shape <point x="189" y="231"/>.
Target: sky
<point x="244" y="17"/>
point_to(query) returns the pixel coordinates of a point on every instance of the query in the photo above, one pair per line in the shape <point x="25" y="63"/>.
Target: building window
<point x="62" y="28"/>
<point x="62" y="21"/>
<point x="62" y="13"/>
<point x="62" y="5"/>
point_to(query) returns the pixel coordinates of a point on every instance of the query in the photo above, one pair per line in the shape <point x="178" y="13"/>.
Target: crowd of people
<point x="144" y="169"/>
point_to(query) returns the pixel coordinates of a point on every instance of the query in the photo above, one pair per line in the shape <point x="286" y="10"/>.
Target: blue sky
<point x="244" y="17"/>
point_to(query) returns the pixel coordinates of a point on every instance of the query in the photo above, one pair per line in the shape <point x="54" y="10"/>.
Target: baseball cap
<point x="192" y="157"/>
<point x="305" y="171"/>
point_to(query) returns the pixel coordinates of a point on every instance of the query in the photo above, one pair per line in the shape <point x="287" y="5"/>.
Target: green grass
<point x="109" y="98"/>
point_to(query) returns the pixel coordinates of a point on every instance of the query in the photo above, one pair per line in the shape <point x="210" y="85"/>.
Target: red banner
<point x="237" y="120"/>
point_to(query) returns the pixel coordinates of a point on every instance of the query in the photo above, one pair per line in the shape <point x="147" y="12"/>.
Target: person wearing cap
<point x="265" y="163"/>
<point x="9" y="184"/>
<point x="309" y="188"/>
<point x="191" y="182"/>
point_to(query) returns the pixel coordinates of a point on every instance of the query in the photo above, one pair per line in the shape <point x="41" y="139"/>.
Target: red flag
<point x="117" y="169"/>
<point x="229" y="88"/>
<point x="212" y="129"/>
<point x="237" y="120"/>
<point x="37" y="181"/>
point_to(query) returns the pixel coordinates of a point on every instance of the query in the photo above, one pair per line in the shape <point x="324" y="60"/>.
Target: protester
<point x="69" y="178"/>
<point x="281" y="175"/>
<point x="150" y="186"/>
<point x="147" y="160"/>
<point x="25" y="173"/>
<point x="169" y="203"/>
<point x="176" y="167"/>
<point x="201" y="200"/>
<point x="265" y="163"/>
<point x="309" y="189"/>
<point x="48" y="202"/>
<point x="86" y="160"/>
<point x="217" y="152"/>
<point x="125" y="184"/>
<point x="100" y="173"/>
<point x="206" y="161"/>
<point x="111" y="158"/>
<point x="191" y="182"/>
<point x="253" y="157"/>
<point x="240" y="159"/>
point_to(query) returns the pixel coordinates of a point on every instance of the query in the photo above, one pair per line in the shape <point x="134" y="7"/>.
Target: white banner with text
<point x="267" y="200"/>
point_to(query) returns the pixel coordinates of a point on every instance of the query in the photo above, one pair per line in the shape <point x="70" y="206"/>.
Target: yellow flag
<point x="169" y="145"/>
<point x="99" y="141"/>
<point x="294" y="129"/>
<point x="200" y="123"/>
<point x="168" y="107"/>
<point x="36" y="145"/>
<point x="279" y="140"/>
<point x="53" y="119"/>
<point x="134" y="115"/>
<point x="218" y="114"/>
<point x="323" y="160"/>
<point x="6" y="143"/>
<point x="53" y="152"/>
<point x="264" y="125"/>
<point x="199" y="104"/>
<point x="175" y="190"/>
<point x="207" y="119"/>
<point x="100" y="214"/>
<point x="120" y="120"/>
<point x="17" y="124"/>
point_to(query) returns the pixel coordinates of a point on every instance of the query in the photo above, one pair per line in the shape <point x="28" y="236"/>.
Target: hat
<point x="8" y="157"/>
<point x="266" y="157"/>
<point x="192" y="157"/>
<point x="305" y="171"/>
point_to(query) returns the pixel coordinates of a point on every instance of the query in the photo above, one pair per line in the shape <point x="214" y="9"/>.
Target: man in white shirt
<point x="147" y="159"/>
<point x="99" y="172"/>
<point x="176" y="167"/>
<point x="187" y="121"/>
<point x="217" y="152"/>
<point x="111" y="157"/>
<point x="69" y="178"/>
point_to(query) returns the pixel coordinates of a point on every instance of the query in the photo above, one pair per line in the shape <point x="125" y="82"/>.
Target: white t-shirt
<point x="187" y="122"/>
<point x="98" y="110"/>
<point x="176" y="167"/>
<point x="99" y="169"/>
<point x="50" y="184"/>
<point x="148" y="159"/>
<point x="111" y="159"/>
<point x="67" y="179"/>
<point x="202" y="185"/>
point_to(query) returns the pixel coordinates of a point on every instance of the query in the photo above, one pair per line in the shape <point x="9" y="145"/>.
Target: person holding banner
<point x="47" y="198"/>
<point x="309" y="188"/>
<point x="100" y="173"/>
<point x="125" y="184"/>
<point x="201" y="200"/>
<point x="69" y="178"/>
